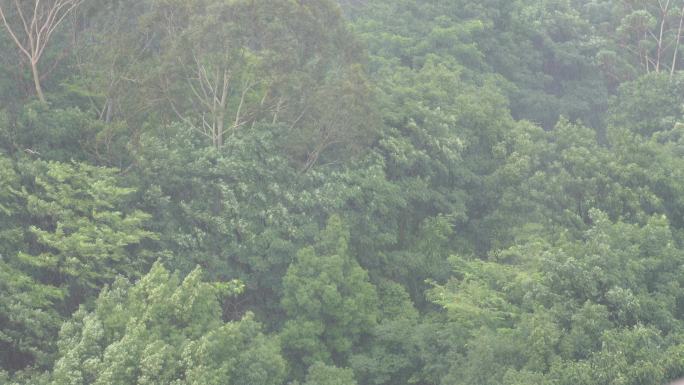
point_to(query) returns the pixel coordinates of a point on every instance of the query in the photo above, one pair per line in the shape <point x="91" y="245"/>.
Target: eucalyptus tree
<point x="32" y="24"/>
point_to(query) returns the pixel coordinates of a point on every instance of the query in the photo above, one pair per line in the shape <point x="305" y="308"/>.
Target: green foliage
<point x="578" y="312"/>
<point x="81" y="234"/>
<point x="67" y="231"/>
<point x="238" y="212"/>
<point x="648" y="105"/>
<point x="321" y="374"/>
<point x="61" y="134"/>
<point x="330" y="303"/>
<point x="392" y="357"/>
<point x="162" y="330"/>
<point x="501" y="182"/>
<point x="543" y="52"/>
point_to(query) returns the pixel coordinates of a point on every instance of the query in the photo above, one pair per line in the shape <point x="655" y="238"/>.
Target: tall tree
<point x="66" y="233"/>
<point x="651" y="32"/>
<point x="31" y="24"/>
<point x="164" y="330"/>
<point x="329" y="300"/>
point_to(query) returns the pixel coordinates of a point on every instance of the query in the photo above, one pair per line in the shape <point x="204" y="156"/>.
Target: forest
<point x="341" y="192"/>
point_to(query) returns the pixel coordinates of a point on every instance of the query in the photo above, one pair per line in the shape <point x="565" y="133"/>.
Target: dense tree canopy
<point x="348" y="192"/>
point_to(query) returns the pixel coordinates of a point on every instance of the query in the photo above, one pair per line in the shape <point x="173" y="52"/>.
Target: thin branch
<point x="23" y="19"/>
<point x="676" y="51"/>
<point x="242" y="102"/>
<point x="38" y="31"/>
<point x="13" y="35"/>
<point x="662" y="29"/>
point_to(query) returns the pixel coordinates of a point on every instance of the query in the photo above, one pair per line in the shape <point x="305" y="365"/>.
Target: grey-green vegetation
<point x="357" y="192"/>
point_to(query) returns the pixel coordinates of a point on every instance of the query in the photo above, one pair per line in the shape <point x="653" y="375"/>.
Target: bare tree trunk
<point x="37" y="30"/>
<point x="220" y="124"/>
<point x="36" y="81"/>
<point x="679" y="37"/>
<point x="663" y="19"/>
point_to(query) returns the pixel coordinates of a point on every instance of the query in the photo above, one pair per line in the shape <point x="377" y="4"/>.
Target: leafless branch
<point x="39" y="26"/>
